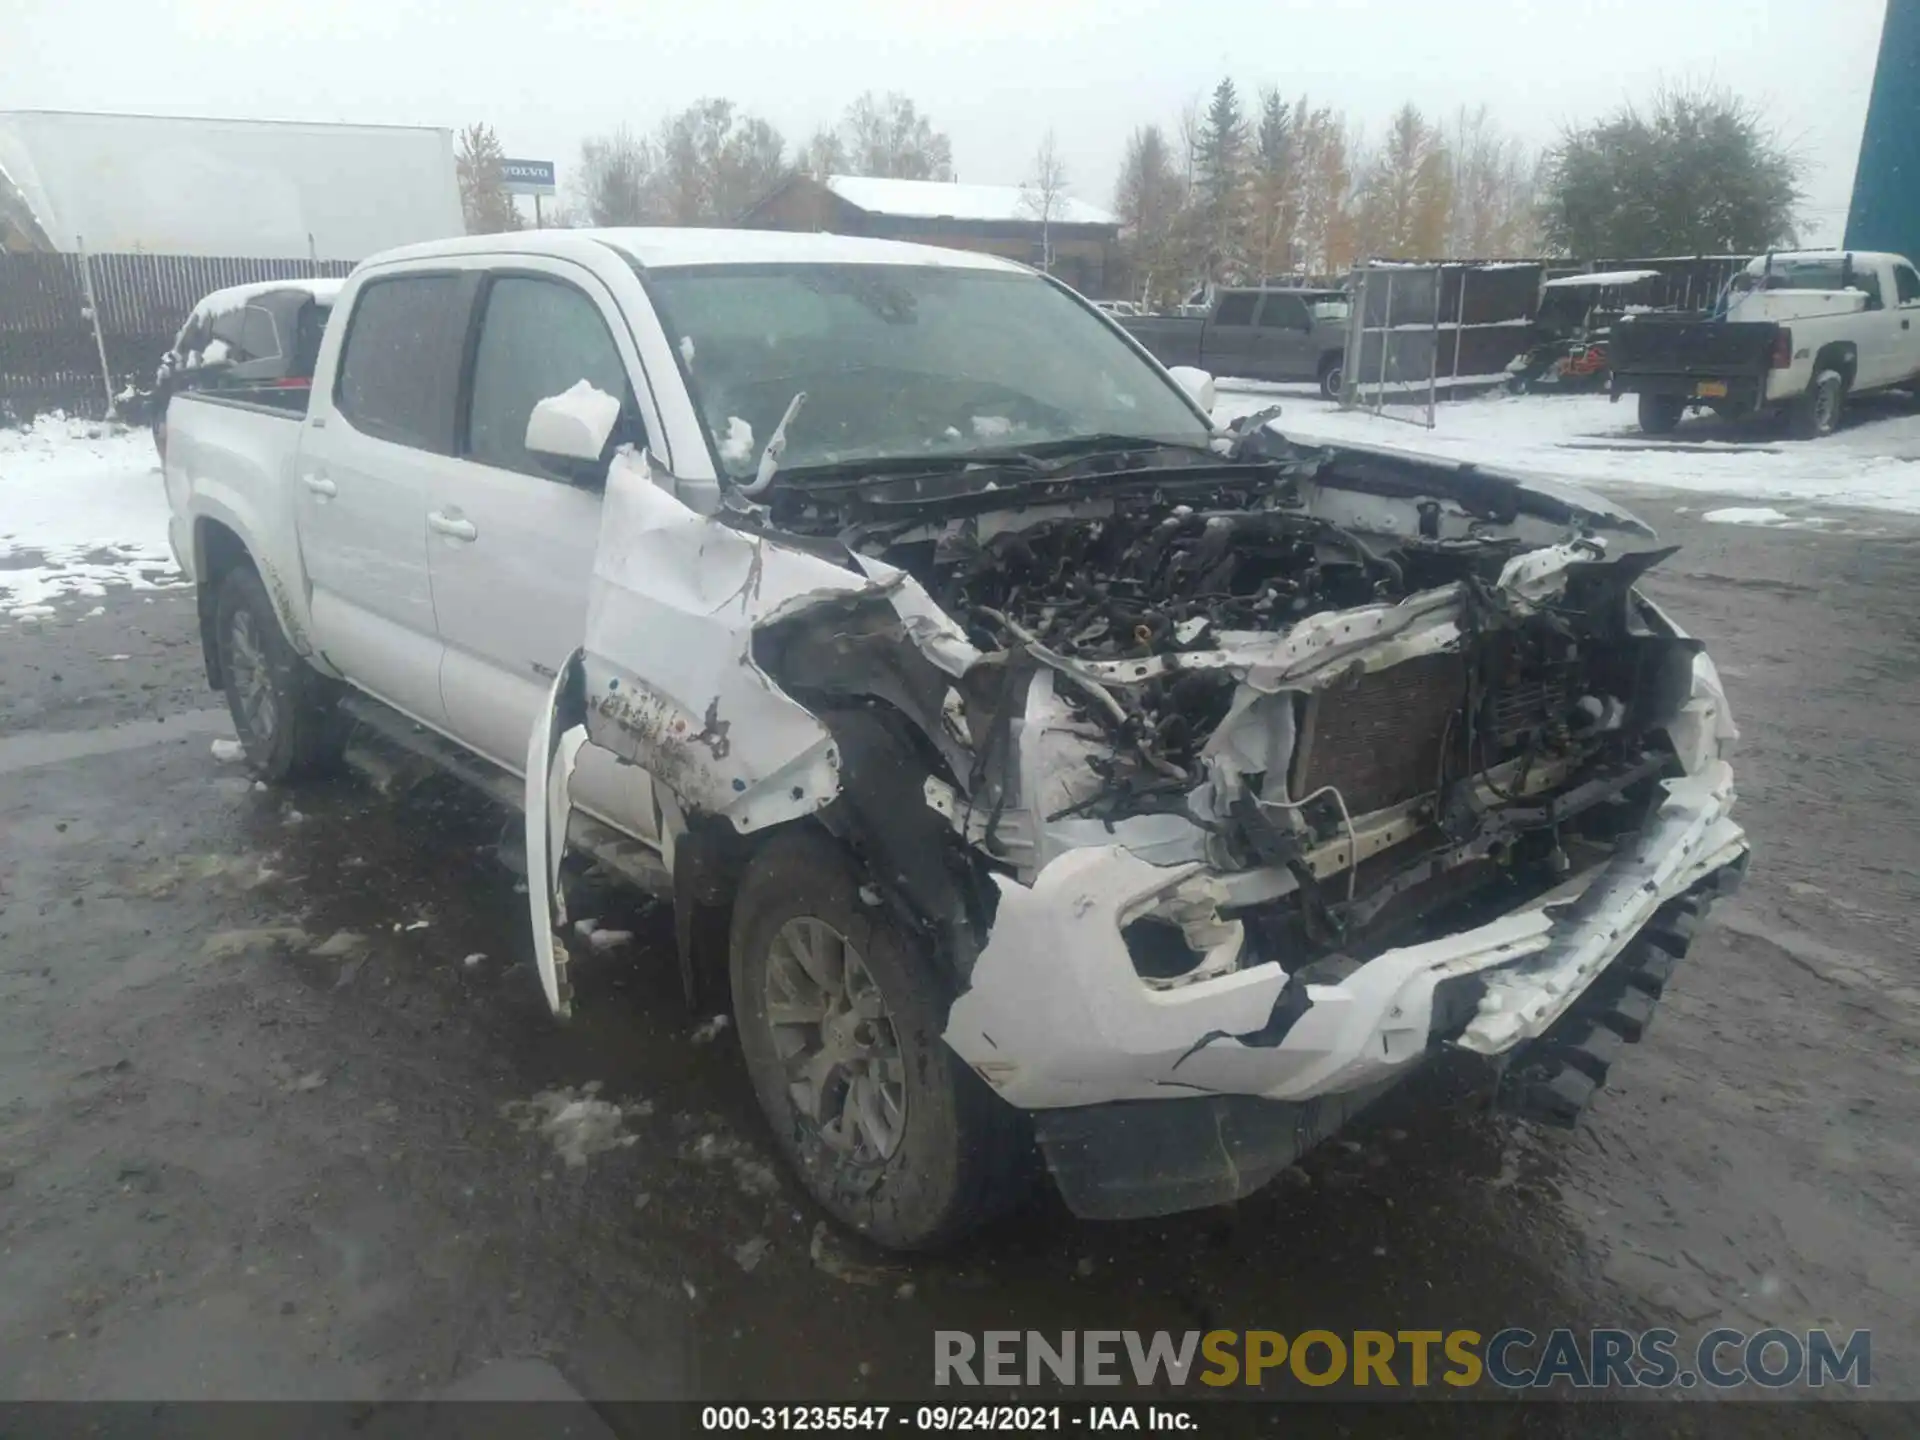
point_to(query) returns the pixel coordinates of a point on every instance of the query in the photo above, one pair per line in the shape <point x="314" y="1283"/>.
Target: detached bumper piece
<point x="1138" y="1158"/>
<point x="1553" y="1077"/>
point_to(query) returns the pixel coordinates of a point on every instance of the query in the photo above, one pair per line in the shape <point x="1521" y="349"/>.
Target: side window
<point x="1235" y="310"/>
<point x="1908" y="284"/>
<point x="1283" y="312"/>
<point x="400" y="366"/>
<point x="538" y="338"/>
<point x="258" y="337"/>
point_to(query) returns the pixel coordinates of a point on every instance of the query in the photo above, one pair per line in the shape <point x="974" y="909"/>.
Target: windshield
<point x="904" y="361"/>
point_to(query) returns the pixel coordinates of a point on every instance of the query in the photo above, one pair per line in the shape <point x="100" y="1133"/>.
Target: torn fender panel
<point x="552" y="751"/>
<point x="670" y="680"/>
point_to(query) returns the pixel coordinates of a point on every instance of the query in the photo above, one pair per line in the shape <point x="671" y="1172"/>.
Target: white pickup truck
<point x="1031" y="762"/>
<point x="1795" y="333"/>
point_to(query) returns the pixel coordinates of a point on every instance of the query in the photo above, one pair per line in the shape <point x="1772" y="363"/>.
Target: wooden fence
<point x="48" y="357"/>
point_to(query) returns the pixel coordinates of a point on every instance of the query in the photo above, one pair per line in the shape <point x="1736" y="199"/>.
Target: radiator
<point x="1378" y="738"/>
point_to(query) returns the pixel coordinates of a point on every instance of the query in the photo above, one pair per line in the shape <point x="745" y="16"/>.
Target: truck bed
<point x="1170" y="339"/>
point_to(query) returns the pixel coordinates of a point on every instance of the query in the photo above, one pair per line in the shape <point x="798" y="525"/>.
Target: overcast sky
<point x="994" y="74"/>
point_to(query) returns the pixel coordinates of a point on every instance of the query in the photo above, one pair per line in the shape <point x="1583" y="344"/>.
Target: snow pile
<point x="1747" y="515"/>
<point x="1874" y="462"/>
<point x="579" y="1124"/>
<point x="82" y="507"/>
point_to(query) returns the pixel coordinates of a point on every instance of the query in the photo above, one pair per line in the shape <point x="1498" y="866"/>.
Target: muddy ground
<point x="274" y="1066"/>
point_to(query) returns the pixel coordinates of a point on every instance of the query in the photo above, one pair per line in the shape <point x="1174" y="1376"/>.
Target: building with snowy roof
<point x="997" y="219"/>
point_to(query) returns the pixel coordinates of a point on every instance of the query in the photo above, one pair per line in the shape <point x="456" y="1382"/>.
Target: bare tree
<point x="886" y="135"/>
<point x="825" y="154"/>
<point x="714" y="163"/>
<point x="615" y="183"/>
<point x="1492" y="210"/>
<point x="484" y="201"/>
<point x="1044" y="195"/>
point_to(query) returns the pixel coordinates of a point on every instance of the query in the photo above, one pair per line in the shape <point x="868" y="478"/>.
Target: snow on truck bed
<point x="1872" y="462"/>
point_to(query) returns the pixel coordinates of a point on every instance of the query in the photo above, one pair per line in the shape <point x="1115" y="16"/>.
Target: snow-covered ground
<point x="1874" y="462"/>
<point x="81" y="508"/>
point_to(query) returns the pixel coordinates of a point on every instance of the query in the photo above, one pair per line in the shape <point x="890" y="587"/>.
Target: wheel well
<point x="1327" y="361"/>
<point x="1840" y="355"/>
<point x="218" y="553"/>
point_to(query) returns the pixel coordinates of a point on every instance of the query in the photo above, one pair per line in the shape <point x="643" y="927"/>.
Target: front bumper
<point x="1057" y="1016"/>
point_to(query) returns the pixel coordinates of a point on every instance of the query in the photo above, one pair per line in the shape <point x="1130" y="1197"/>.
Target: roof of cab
<point x="667" y="247"/>
<point x="1824" y="257"/>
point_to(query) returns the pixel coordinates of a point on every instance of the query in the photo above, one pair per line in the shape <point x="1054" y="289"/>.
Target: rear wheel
<point x="1331" y="377"/>
<point x="1816" y="411"/>
<point x="1660" y="414"/>
<point x="286" y="713"/>
<point x="840" y="1014"/>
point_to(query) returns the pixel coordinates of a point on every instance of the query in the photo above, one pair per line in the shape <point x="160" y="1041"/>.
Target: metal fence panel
<point x="49" y="358"/>
<point x="1418" y="330"/>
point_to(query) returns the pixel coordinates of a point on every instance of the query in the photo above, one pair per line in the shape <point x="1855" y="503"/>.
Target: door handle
<point x="451" y="527"/>
<point x="1904" y="324"/>
<point x="320" y="485"/>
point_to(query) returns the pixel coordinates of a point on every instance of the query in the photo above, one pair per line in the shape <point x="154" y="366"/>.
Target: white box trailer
<point x="161" y="185"/>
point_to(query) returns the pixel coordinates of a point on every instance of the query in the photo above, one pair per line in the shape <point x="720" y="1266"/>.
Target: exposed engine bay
<point x="1163" y="666"/>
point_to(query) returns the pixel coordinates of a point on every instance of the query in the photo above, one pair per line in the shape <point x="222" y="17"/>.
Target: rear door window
<point x="1908" y="284"/>
<point x="1235" y="310"/>
<point x="400" y="366"/>
<point x="538" y="338"/>
<point x="1283" y="312"/>
<point x="259" y="338"/>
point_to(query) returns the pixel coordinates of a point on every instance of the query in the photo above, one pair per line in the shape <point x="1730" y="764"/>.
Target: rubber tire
<point x="1804" y="418"/>
<point x="965" y="1156"/>
<point x="310" y="733"/>
<point x="1330" y="377"/>
<point x="1660" y="414"/>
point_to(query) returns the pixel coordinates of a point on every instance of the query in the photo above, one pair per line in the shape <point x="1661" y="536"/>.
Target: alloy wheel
<point x="836" y="1040"/>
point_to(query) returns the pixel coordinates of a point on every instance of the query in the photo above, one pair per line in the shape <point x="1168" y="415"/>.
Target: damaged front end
<point x="1223" y="786"/>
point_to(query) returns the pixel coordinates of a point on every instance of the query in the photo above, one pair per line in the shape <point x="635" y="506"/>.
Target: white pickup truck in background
<point x="1034" y="762"/>
<point x="1795" y="333"/>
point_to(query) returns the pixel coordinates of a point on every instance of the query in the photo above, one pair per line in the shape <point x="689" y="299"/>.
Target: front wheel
<point x="1660" y="414"/>
<point x="840" y="1013"/>
<point x="1331" y="377"/>
<point x="286" y="713"/>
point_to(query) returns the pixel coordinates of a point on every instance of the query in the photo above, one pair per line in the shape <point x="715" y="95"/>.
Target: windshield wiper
<point x="776" y="447"/>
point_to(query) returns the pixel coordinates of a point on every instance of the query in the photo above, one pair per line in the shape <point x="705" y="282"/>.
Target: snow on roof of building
<point x="944" y="200"/>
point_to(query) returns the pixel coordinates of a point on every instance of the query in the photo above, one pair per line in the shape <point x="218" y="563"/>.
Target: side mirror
<point x="574" y="425"/>
<point x="1197" y="383"/>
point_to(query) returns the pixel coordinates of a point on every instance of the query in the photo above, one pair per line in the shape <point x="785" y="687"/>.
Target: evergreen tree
<point x="1220" y="186"/>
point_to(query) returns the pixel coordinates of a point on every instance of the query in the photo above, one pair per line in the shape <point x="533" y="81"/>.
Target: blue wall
<point x="1885" y="214"/>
